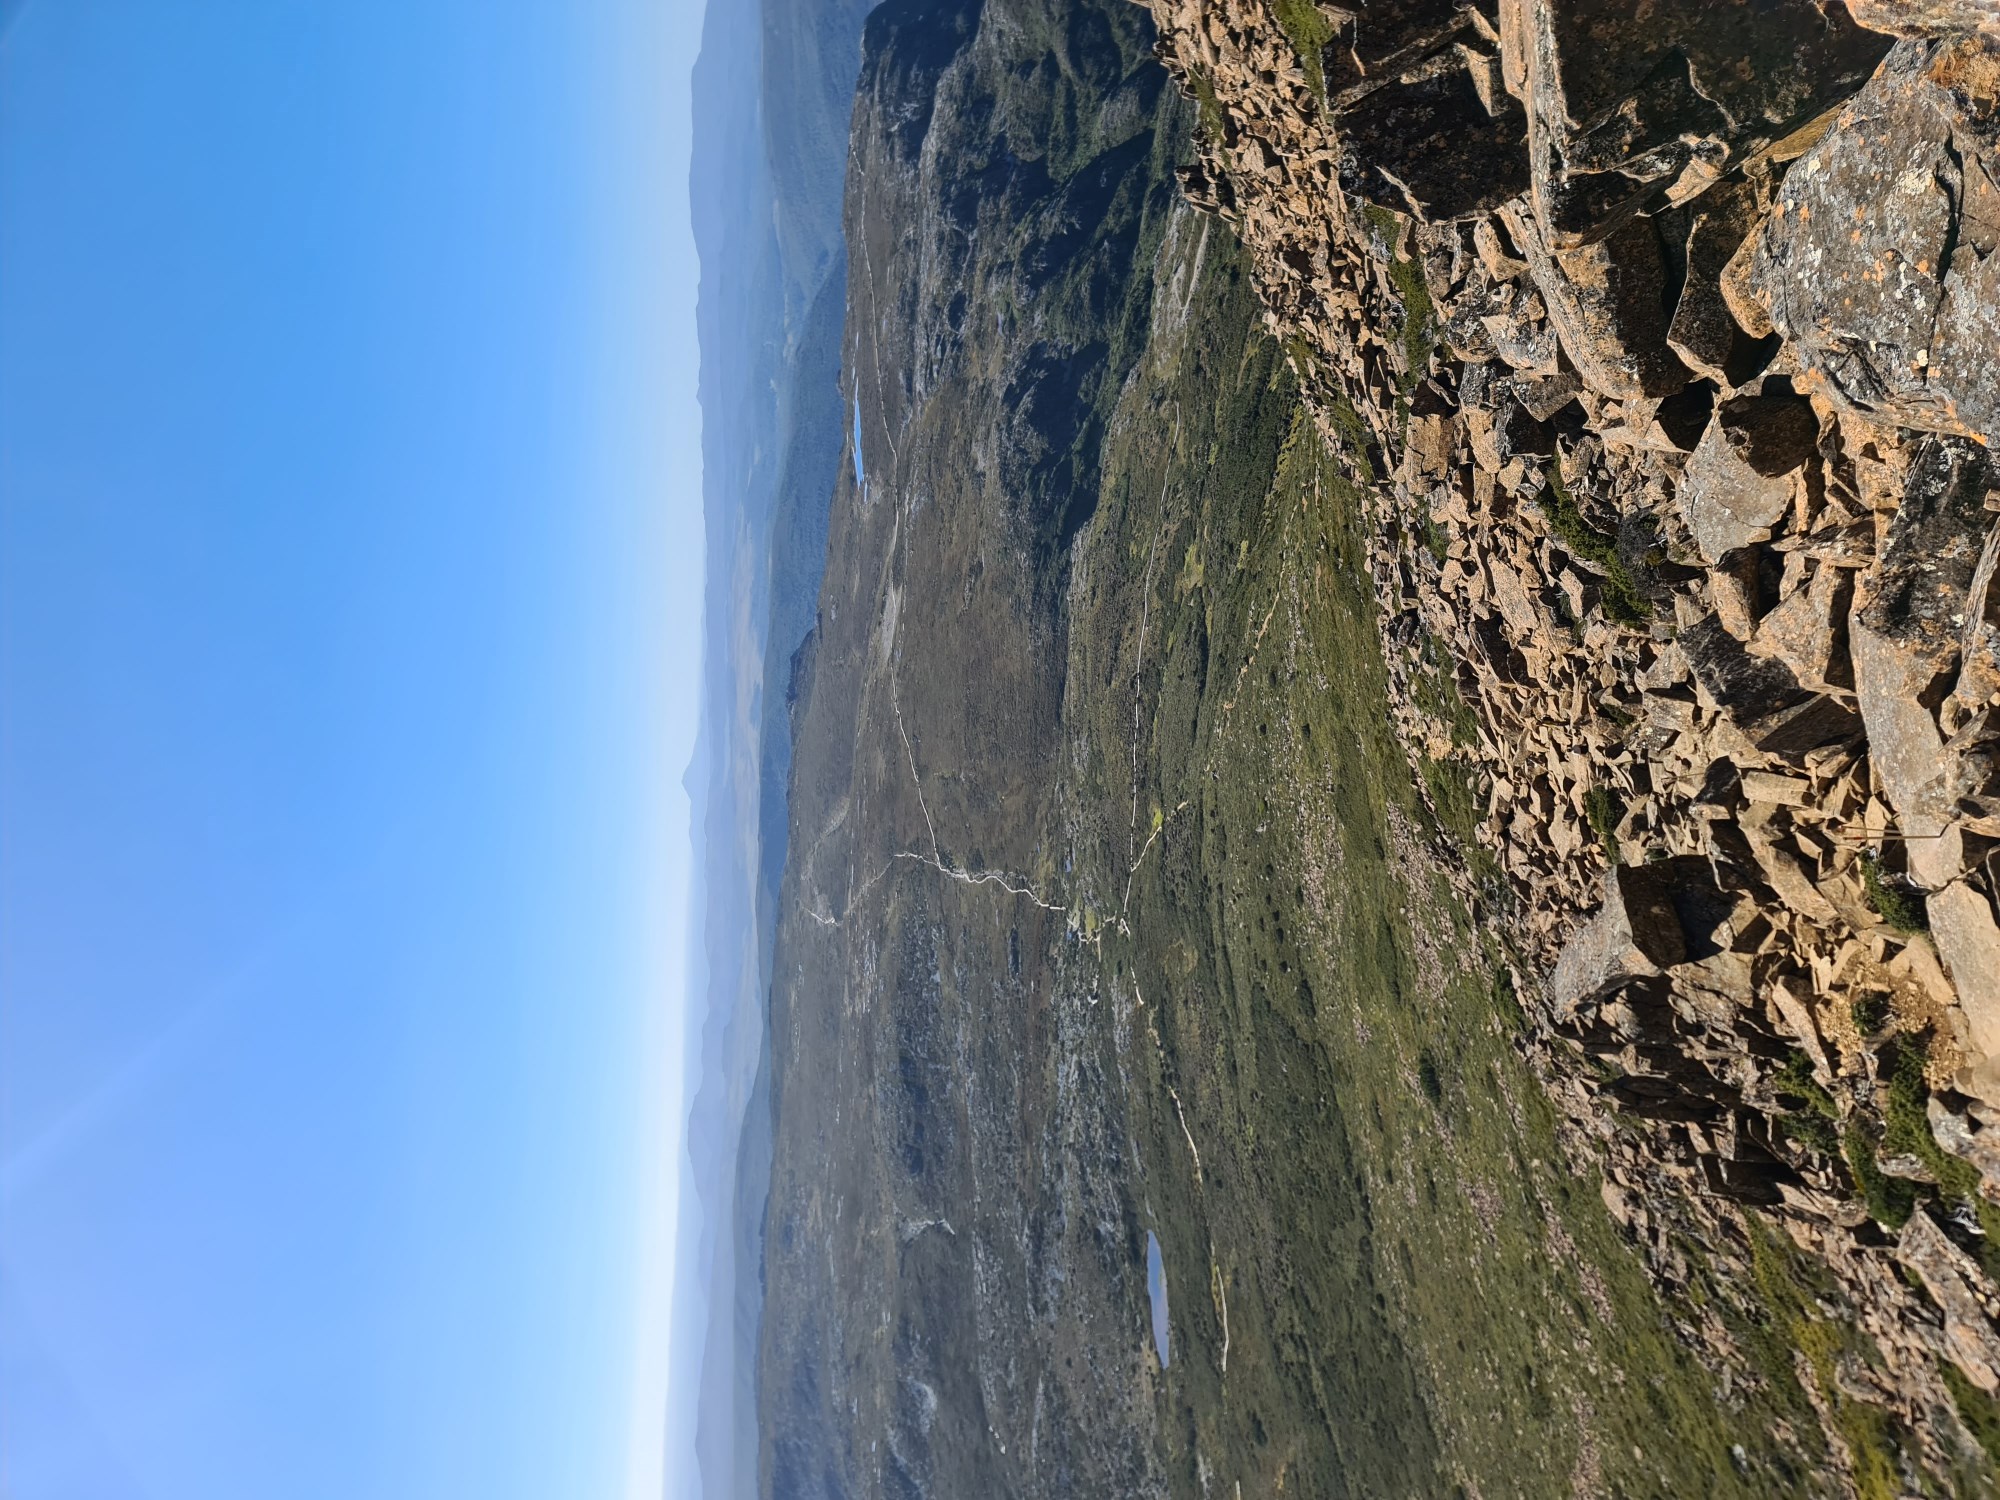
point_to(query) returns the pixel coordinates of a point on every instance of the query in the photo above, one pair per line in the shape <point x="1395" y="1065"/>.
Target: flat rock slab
<point x="1738" y="484"/>
<point x="1968" y="943"/>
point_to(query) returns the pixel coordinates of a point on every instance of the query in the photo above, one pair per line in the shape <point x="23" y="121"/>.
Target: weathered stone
<point x="1605" y="301"/>
<point x="1891" y="681"/>
<point x="1979" y="646"/>
<point x="1428" y="145"/>
<point x="1738" y="483"/>
<point x="1760" y="695"/>
<point x="1926" y="17"/>
<point x="1878" y="261"/>
<point x="1372" y="40"/>
<point x="1737" y="284"/>
<point x="1623" y="99"/>
<point x="1497" y="436"/>
<point x="1967" y="1141"/>
<point x="1949" y="1275"/>
<point x="1542" y="398"/>
<point x="1732" y="588"/>
<point x="1637" y="934"/>
<point x="1703" y="332"/>
<point x="1807" y="630"/>
<point x="1798" y="1018"/>
<point x="1920" y="593"/>
<point x="1905" y="642"/>
<point x="1501" y="263"/>
<point x="1776" y="790"/>
<point x="1784" y="873"/>
<point x="1968" y="944"/>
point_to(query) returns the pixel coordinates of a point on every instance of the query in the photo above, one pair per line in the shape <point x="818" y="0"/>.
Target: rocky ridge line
<point x="1667" y="347"/>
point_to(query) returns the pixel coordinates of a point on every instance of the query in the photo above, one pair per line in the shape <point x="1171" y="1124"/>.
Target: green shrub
<point x="1894" y="902"/>
<point x="1623" y="600"/>
<point x="1890" y="1200"/>
<point x="1428" y="1077"/>
<point x="1603" y="809"/>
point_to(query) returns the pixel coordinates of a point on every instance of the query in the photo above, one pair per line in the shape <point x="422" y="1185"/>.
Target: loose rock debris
<point x="1665" y="344"/>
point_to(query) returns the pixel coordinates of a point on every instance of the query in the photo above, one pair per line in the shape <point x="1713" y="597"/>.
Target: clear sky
<point x="349" y="572"/>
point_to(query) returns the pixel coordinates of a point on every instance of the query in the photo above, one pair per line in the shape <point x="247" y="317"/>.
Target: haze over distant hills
<point x="772" y="91"/>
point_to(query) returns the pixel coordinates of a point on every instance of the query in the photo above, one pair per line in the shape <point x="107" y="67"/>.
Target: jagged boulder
<point x="1761" y="695"/>
<point x="1906" y="638"/>
<point x="1807" y="630"/>
<point x="1704" y="333"/>
<point x="1636" y="934"/>
<point x="1606" y="303"/>
<point x="1950" y="1275"/>
<point x="1920" y="591"/>
<point x="1628" y="100"/>
<point x="1437" y="145"/>
<point x="1656" y="918"/>
<point x="1878" y="259"/>
<point x="1739" y="482"/>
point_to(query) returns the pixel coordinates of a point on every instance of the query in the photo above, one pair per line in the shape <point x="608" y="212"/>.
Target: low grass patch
<point x="1310" y="33"/>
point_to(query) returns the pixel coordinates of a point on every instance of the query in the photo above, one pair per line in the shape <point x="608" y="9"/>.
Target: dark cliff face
<point x="1009" y="175"/>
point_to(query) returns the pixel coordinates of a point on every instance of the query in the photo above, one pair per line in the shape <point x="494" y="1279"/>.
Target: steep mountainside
<point x="1114" y="914"/>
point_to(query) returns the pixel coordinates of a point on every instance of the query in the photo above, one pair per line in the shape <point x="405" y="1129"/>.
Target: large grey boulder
<point x="1667" y="915"/>
<point x="1905" y="642"/>
<point x="1636" y="934"/>
<point x="1921" y="590"/>
<point x="1878" y="260"/>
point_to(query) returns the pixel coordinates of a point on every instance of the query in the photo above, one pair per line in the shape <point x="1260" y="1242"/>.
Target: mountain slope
<point x="1111" y="908"/>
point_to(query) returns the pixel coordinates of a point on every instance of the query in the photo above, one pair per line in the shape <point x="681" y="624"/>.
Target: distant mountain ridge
<point x="772" y="90"/>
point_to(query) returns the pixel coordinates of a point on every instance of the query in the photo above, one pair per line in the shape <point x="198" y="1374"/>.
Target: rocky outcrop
<point x="1876" y="261"/>
<point x="1664" y="340"/>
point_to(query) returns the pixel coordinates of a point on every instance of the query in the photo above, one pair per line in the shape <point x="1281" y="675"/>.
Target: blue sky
<point x="349" y="574"/>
